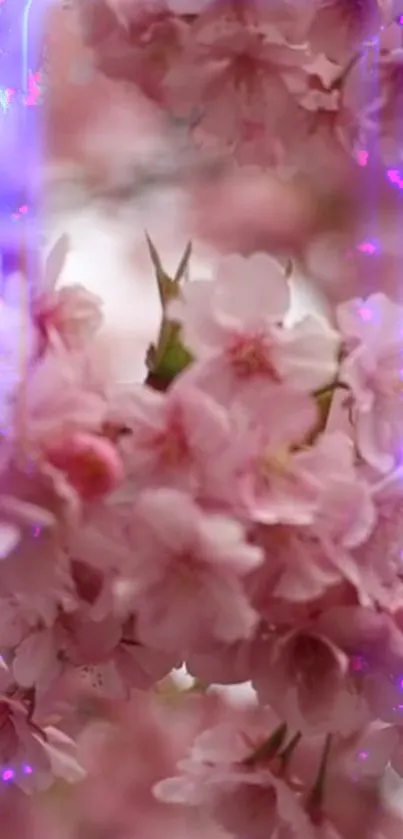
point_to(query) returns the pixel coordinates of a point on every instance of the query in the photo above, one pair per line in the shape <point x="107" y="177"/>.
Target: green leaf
<point x="167" y="357"/>
<point x="163" y="279"/>
<point x="174" y="359"/>
<point x="184" y="264"/>
<point x="170" y="357"/>
<point x="168" y="287"/>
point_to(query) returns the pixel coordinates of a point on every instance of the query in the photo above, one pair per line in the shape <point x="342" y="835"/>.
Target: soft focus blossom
<point x="91" y="463"/>
<point x="72" y="313"/>
<point x="189" y="570"/>
<point x="372" y="370"/>
<point x="201" y="601"/>
<point x="174" y="438"/>
<point x="234" y="326"/>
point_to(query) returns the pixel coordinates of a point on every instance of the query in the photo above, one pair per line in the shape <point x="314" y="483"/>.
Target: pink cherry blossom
<point x="305" y="675"/>
<point x="326" y="127"/>
<point x="297" y="571"/>
<point x="223" y="774"/>
<point x="155" y="730"/>
<point x="72" y="314"/>
<point x="47" y="751"/>
<point x="136" y="42"/>
<point x="188" y="573"/>
<point x="91" y="463"/>
<point x="69" y="315"/>
<point x="372" y="370"/>
<point x="350" y="23"/>
<point x="221" y="663"/>
<point x="276" y="484"/>
<point x="174" y="438"/>
<point x="231" y="63"/>
<point x="56" y="401"/>
<point x="373" y="643"/>
<point x="36" y="660"/>
<point x="201" y="602"/>
<point x="376" y="563"/>
<point x="234" y="326"/>
<point x="279" y="480"/>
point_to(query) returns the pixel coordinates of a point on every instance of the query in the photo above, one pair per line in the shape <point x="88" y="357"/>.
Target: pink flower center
<point x="249" y="356"/>
<point x="91" y="463"/>
<point x="276" y="463"/>
<point x="172" y="445"/>
<point x="253" y="130"/>
<point x="311" y="661"/>
<point x="186" y="571"/>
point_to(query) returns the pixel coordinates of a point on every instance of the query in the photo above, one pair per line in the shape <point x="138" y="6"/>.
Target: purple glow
<point x="6" y="95"/>
<point x="362" y="157"/>
<point x="395" y="177"/>
<point x="363" y="755"/>
<point x="27" y="770"/>
<point x="34" y="90"/>
<point x="367" y="247"/>
<point x="20" y="90"/>
<point x="365" y="313"/>
<point x="22" y="211"/>
<point x="357" y="663"/>
<point x="400" y="20"/>
<point x="8" y="774"/>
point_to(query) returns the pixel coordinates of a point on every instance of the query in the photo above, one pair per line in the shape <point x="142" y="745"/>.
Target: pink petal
<point x="60" y="750"/>
<point x="179" y="791"/>
<point x="35" y="659"/>
<point x="55" y="262"/>
<point x="308" y="354"/>
<point x="200" y="332"/>
<point x="225" y="547"/>
<point x="169" y="517"/>
<point x="9" y="539"/>
<point x="252" y="290"/>
<point x="397" y="760"/>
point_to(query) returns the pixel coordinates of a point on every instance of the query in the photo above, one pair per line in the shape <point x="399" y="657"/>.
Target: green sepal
<point x="168" y="356"/>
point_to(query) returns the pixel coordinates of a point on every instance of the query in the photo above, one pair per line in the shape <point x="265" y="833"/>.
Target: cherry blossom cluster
<point x="239" y="513"/>
<point x="299" y="99"/>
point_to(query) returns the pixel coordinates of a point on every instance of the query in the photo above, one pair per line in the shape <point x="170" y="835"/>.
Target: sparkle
<point x="362" y="157"/>
<point x="249" y="356"/>
<point x="8" y="775"/>
<point x="22" y="211"/>
<point x="363" y="755"/>
<point x="27" y="770"/>
<point x="365" y="313"/>
<point x="357" y="663"/>
<point x="367" y="247"/>
<point x="394" y="176"/>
